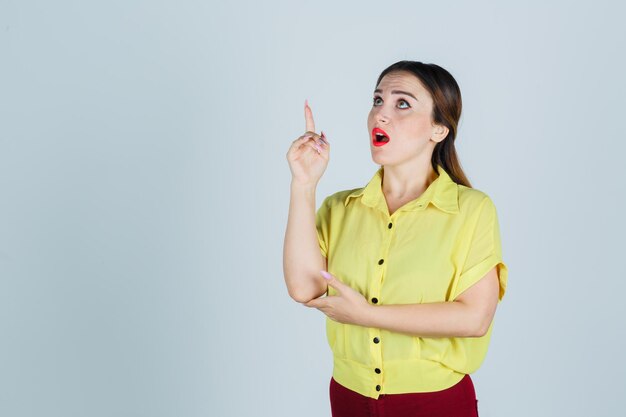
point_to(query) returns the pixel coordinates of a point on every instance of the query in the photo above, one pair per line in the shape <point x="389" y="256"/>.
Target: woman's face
<point x="402" y="108"/>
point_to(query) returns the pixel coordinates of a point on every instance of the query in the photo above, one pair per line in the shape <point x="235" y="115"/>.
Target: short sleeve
<point x="483" y="252"/>
<point x="322" y="223"/>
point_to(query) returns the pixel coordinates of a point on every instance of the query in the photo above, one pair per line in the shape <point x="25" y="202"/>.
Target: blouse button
<point x="389" y="226"/>
<point x="380" y="262"/>
<point x="374" y="300"/>
<point x="377" y="387"/>
<point x="377" y="370"/>
<point x="376" y="340"/>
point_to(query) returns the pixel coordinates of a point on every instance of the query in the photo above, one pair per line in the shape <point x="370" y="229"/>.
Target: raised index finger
<point x="308" y="116"/>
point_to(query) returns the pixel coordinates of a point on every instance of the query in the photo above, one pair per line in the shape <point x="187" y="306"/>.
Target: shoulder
<point x="472" y="200"/>
<point x="338" y="198"/>
<point x="477" y="208"/>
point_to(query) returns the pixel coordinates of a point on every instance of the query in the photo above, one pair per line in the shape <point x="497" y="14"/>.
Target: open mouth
<point x="379" y="137"/>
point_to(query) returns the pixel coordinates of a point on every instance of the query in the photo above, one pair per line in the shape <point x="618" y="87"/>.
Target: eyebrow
<point x="378" y="90"/>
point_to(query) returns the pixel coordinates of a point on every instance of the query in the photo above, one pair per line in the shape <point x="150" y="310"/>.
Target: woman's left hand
<point x="348" y="306"/>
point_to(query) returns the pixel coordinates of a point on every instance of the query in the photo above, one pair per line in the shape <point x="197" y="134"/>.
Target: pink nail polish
<point x="326" y="275"/>
<point x="324" y="137"/>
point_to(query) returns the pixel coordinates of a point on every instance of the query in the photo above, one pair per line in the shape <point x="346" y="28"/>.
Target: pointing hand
<point x="309" y="154"/>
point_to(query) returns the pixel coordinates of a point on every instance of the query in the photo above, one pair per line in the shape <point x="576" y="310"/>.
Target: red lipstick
<point x="379" y="137"/>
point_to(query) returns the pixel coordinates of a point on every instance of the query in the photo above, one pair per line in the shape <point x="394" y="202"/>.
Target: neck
<point x="402" y="182"/>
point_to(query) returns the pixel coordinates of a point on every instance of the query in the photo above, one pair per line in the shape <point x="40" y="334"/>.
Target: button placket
<point x="377" y="377"/>
<point x="376" y="341"/>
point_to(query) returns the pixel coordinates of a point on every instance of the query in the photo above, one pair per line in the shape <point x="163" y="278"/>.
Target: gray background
<point x="145" y="192"/>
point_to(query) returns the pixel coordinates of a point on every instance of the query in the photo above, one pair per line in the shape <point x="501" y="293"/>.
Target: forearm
<point x="443" y="319"/>
<point x="302" y="259"/>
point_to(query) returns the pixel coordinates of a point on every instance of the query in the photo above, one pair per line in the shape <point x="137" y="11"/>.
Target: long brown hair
<point x="447" y="106"/>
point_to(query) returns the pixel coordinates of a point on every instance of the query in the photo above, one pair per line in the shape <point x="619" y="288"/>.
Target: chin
<point x="377" y="159"/>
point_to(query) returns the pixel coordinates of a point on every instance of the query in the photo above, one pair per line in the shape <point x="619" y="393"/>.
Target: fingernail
<point x="324" y="137"/>
<point x="326" y="275"/>
<point x="306" y="102"/>
<point x="319" y="149"/>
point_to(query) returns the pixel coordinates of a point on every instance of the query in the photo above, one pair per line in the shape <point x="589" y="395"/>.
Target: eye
<point x="399" y="101"/>
<point x="406" y="102"/>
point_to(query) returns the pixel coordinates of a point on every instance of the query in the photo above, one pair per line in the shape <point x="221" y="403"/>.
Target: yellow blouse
<point x="422" y="253"/>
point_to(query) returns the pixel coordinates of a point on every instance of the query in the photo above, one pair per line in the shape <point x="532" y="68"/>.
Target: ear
<point x="439" y="133"/>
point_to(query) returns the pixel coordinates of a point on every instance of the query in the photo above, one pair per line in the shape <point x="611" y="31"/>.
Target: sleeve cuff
<point x="478" y="271"/>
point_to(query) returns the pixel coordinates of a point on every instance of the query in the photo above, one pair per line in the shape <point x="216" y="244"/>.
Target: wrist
<point x="306" y="188"/>
<point x="367" y="316"/>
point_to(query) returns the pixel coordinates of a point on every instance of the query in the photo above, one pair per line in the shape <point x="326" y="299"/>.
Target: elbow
<point x="300" y="296"/>
<point x="305" y="290"/>
<point x="480" y="333"/>
<point x="482" y="328"/>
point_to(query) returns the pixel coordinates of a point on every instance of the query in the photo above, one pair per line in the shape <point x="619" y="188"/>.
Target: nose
<point x="381" y="115"/>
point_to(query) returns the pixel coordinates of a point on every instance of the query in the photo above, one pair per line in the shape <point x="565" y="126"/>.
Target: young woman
<point x="414" y="256"/>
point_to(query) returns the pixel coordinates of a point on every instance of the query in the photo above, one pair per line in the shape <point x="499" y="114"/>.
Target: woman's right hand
<point x="309" y="154"/>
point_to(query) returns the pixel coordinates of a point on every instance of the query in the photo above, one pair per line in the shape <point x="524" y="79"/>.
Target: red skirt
<point x="457" y="401"/>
